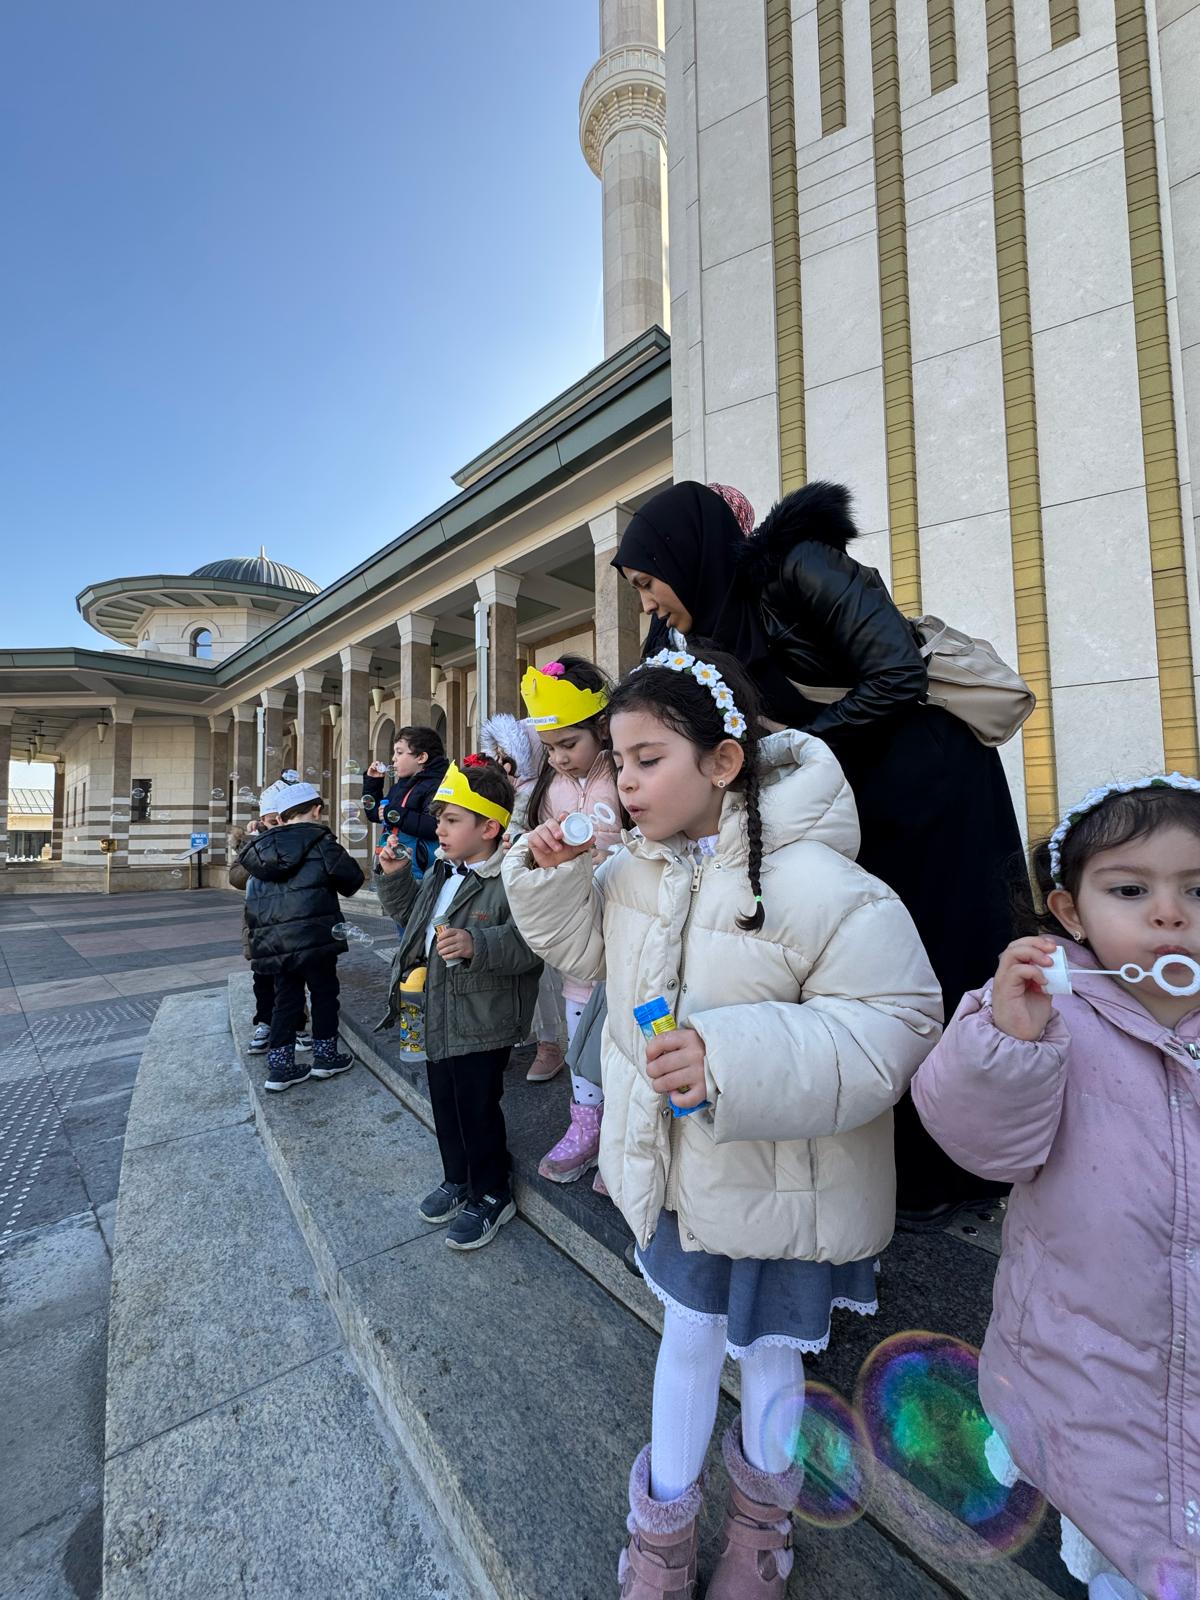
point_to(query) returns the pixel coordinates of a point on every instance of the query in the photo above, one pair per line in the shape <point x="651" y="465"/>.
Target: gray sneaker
<point x="259" y="1039"/>
<point x="481" y="1221"/>
<point x="444" y="1204"/>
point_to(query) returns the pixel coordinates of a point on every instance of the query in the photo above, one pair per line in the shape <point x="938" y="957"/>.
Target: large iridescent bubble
<point x="828" y="1439"/>
<point x="918" y="1397"/>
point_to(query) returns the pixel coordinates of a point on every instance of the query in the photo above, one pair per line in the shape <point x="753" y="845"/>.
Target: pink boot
<point x="579" y="1148"/>
<point x="546" y="1064"/>
<point x="659" y="1562"/>
<point x="756" y="1557"/>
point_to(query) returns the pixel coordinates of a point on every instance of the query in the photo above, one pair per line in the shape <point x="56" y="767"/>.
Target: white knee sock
<point x="687" y="1385"/>
<point x="772" y="1404"/>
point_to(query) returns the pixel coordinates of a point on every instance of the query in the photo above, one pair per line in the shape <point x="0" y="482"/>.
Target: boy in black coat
<point x="297" y="871"/>
<point x="418" y="766"/>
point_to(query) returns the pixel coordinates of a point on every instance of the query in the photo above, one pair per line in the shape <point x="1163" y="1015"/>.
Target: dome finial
<point x="262" y="552"/>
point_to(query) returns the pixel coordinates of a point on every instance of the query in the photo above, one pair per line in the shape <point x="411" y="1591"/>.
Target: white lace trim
<point x="712" y="1319"/>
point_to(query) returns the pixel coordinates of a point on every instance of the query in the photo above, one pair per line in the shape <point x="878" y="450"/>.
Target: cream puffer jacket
<point x="812" y="1026"/>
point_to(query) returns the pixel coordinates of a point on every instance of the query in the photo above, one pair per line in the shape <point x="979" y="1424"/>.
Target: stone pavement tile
<point x="219" y="967"/>
<point x="51" y="1276"/>
<point x="105" y="1069"/>
<point x="292" y="1490"/>
<point x="99" y="1116"/>
<point x="106" y="1217"/>
<point x="10" y="1003"/>
<point x="51" y="1424"/>
<point x="153" y="980"/>
<point x="100" y="1165"/>
<point x="65" y="992"/>
<point x="191" y="1081"/>
<point x="56" y="1188"/>
<point x="214" y="1291"/>
<point x="142" y="959"/>
<point x="60" y="1559"/>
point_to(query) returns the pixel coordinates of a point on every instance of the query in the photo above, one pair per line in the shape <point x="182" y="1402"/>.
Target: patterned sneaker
<point x="579" y="1148"/>
<point x="284" y="1070"/>
<point x="259" y="1038"/>
<point x="327" y="1062"/>
<point x="444" y="1204"/>
<point x="547" y="1064"/>
<point x="480" y="1221"/>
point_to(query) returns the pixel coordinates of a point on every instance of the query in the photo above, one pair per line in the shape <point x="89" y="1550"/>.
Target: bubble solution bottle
<point x="654" y="1017"/>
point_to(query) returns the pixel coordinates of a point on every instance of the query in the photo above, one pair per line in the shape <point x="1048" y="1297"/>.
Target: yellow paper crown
<point x="454" y="790"/>
<point x="554" y="703"/>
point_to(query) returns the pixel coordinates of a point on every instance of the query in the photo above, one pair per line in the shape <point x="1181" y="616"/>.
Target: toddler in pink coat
<point x="1088" y="1102"/>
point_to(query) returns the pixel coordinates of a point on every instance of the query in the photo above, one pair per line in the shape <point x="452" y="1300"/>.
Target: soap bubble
<point x="311" y="772"/>
<point x="176" y="873"/>
<point x="918" y="1397"/>
<point x="352" y="934"/>
<point x="349" y="810"/>
<point x="139" y="794"/>
<point x="353" y="768"/>
<point x="325" y="773"/>
<point x="392" y="815"/>
<point x="153" y="854"/>
<point x="827" y="1437"/>
<point x="246" y="792"/>
<point x="218" y="794"/>
<point x="368" y="801"/>
<point x="356" y="833"/>
<point x="270" y="751"/>
<point x="290" y="776"/>
<point x="234" y="776"/>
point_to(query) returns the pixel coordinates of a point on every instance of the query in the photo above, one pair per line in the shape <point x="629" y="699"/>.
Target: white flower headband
<point x="680" y="661"/>
<point x="1096" y="797"/>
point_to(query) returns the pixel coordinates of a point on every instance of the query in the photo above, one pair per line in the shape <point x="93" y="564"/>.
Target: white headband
<point x="680" y="661"/>
<point x="1096" y="797"/>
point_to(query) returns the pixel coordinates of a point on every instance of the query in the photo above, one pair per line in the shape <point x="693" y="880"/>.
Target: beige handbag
<point x="967" y="678"/>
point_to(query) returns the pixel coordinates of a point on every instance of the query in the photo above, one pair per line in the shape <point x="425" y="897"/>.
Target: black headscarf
<point x="687" y="537"/>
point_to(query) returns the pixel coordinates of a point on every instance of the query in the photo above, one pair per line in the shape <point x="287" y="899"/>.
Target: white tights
<point x="687" y="1386"/>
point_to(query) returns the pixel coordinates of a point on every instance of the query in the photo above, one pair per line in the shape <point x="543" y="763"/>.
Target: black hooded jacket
<point x="409" y="799"/>
<point x="296" y="873"/>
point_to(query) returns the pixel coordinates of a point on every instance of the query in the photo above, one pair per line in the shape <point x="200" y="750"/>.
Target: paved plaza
<point x="81" y="977"/>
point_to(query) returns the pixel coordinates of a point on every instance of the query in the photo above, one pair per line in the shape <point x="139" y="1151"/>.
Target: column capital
<point x="607" y="528"/>
<point x="455" y="674"/>
<point x="415" y="628"/>
<point x="219" y="722"/>
<point x="246" y="711"/>
<point x="122" y="711"/>
<point x="499" y="587"/>
<point x="310" y="680"/>
<point x="356" y="658"/>
<point x="273" y="699"/>
<point x="7" y="713"/>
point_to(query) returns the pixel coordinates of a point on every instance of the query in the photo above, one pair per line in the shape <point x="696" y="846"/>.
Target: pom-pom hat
<point x="454" y="790"/>
<point x="553" y="702"/>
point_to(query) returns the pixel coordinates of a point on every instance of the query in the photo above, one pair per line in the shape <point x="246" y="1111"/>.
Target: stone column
<point x="58" y="817"/>
<point x="623" y="132"/>
<point x="355" y="725"/>
<point x="309" y="765"/>
<point x="120" y="737"/>
<point x="617" y="642"/>
<point x="415" y="698"/>
<point x="500" y="689"/>
<point x="243" y="762"/>
<point x="456" y="711"/>
<point x="218" y="788"/>
<point x="7" y="713"/>
<point x="272" y="734"/>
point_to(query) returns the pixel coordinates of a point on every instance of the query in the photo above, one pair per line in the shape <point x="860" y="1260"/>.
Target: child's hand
<point x="550" y="849"/>
<point x="377" y="770"/>
<point x="675" y="1062"/>
<point x="394" y="858"/>
<point x="455" y="944"/>
<point x="1020" y="1005"/>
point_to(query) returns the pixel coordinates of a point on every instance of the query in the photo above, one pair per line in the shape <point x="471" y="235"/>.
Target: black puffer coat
<point x="409" y="798"/>
<point x="296" y="873"/>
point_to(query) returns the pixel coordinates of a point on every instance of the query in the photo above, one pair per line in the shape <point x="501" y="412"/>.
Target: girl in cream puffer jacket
<point x="800" y="1025"/>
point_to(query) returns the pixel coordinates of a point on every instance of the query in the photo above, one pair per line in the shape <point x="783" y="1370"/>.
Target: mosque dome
<point x="257" y="569"/>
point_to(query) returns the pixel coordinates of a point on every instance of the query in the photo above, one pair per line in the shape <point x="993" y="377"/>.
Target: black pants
<point x="319" y="975"/>
<point x="264" y="996"/>
<point x="466" y="1093"/>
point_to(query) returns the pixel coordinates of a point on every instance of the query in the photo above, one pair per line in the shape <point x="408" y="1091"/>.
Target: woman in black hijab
<point x="936" y="815"/>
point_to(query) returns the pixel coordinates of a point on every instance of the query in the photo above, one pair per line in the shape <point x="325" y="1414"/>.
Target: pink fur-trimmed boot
<point x="756" y="1556"/>
<point x="659" y="1562"/>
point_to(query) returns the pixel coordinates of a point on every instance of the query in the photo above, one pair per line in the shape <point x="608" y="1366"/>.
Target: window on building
<point x="201" y="644"/>
<point x="139" y="800"/>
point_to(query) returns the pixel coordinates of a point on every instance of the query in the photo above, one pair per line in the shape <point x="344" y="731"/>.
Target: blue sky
<point x="273" y="269"/>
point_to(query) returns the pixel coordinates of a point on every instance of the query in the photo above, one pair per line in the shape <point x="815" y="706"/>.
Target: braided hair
<point x="688" y="708"/>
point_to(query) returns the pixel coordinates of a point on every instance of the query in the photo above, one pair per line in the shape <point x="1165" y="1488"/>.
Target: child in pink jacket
<point x="565" y="701"/>
<point x="1089" y="1103"/>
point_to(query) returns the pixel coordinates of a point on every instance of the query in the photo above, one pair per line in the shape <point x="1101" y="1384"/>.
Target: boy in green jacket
<point x="480" y="991"/>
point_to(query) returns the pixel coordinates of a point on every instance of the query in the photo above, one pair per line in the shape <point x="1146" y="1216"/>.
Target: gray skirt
<point x="760" y="1302"/>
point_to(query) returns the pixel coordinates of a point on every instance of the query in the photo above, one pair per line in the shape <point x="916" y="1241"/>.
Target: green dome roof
<point x="257" y="569"/>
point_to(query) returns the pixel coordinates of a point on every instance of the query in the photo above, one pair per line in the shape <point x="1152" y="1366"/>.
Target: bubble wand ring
<point x="1057" y="978"/>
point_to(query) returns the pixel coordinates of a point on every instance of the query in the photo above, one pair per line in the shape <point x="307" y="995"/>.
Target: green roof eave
<point x="177" y="580"/>
<point x="70" y="658"/>
<point x="622" y="411"/>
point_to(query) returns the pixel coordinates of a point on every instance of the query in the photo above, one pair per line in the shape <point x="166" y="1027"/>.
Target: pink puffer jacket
<point x="567" y="794"/>
<point x="1091" y="1366"/>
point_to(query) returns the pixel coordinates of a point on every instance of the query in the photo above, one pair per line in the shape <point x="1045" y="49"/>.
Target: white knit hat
<point x="268" y="800"/>
<point x="290" y="795"/>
